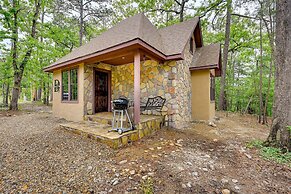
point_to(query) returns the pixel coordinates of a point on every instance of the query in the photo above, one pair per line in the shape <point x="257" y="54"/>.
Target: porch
<point x="96" y="127"/>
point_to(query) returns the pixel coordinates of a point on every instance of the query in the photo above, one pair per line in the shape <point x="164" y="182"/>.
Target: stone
<point x="223" y="181"/>
<point x="194" y="173"/>
<point x="189" y="184"/>
<point x="144" y="177"/>
<point x="248" y="156"/>
<point x="179" y="145"/>
<point x="205" y="169"/>
<point x="132" y="172"/>
<point x="184" y="186"/>
<point x="179" y="140"/>
<point x="189" y="163"/>
<point x="115" y="181"/>
<point x="211" y="124"/>
<point x="237" y="187"/>
<point x="225" y="191"/>
<point x="123" y="162"/>
<point x="234" y="180"/>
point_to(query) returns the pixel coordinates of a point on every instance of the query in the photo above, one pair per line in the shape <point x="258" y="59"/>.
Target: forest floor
<point x="37" y="156"/>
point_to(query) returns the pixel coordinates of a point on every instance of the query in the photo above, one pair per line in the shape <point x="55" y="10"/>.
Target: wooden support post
<point x="137" y="87"/>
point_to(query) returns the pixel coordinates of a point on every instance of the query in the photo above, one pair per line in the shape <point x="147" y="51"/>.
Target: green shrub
<point x="255" y="144"/>
<point x="271" y="153"/>
<point x="147" y="186"/>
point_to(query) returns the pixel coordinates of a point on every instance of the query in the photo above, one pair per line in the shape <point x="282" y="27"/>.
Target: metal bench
<point x="155" y="103"/>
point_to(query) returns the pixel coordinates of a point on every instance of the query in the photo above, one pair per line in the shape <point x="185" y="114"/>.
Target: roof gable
<point x="168" y="41"/>
<point x="176" y="36"/>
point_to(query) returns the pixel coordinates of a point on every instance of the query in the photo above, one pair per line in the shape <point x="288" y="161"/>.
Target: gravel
<point x="37" y="156"/>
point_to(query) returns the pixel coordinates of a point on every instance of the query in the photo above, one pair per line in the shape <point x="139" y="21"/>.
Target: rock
<point x="155" y="156"/>
<point x="152" y="149"/>
<point x="159" y="148"/>
<point x="211" y="124"/>
<point x="224" y="181"/>
<point x="248" y="156"/>
<point x="179" y="145"/>
<point x="144" y="177"/>
<point x="234" y="180"/>
<point x="225" y="191"/>
<point x="237" y="187"/>
<point x="189" y="163"/>
<point x="189" y="184"/>
<point x="211" y="167"/>
<point x="115" y="181"/>
<point x="179" y="140"/>
<point x="123" y="162"/>
<point x="205" y="169"/>
<point x="90" y="168"/>
<point x="194" y="173"/>
<point x="132" y="172"/>
<point x="216" y="118"/>
<point x="99" y="154"/>
<point x="96" y="180"/>
<point x="215" y="140"/>
<point x="151" y="174"/>
<point x="184" y="186"/>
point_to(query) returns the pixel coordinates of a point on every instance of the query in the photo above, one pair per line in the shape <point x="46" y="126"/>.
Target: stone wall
<point x="171" y="80"/>
<point x="88" y="85"/>
<point x="183" y="90"/>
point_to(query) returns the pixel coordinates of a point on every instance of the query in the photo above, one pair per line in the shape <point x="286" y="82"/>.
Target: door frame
<point x="109" y="87"/>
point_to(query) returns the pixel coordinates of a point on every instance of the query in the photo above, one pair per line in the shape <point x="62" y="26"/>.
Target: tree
<point x="222" y="97"/>
<point x="282" y="101"/>
<point x="96" y="9"/>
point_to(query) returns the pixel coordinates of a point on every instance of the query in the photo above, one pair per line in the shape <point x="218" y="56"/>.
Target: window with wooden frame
<point x="191" y="45"/>
<point x="212" y="88"/>
<point x="70" y="85"/>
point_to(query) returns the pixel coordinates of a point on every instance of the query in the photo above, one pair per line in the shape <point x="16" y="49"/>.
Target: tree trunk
<point x="222" y="97"/>
<point x="261" y="75"/>
<point x="7" y="94"/>
<point x="282" y="101"/>
<point x="81" y="31"/>
<point x="15" y="92"/>
<point x="270" y="31"/>
<point x="19" y="69"/>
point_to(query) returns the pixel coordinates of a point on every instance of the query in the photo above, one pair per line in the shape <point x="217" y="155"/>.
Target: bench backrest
<point x="155" y="103"/>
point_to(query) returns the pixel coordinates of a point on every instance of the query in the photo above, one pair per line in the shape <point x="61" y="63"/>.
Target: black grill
<point x="120" y="103"/>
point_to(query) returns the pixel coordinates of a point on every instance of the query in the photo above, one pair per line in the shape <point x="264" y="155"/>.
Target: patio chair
<point x="155" y="103"/>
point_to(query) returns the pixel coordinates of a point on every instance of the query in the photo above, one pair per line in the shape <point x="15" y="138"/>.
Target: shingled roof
<point x="207" y="57"/>
<point x="167" y="41"/>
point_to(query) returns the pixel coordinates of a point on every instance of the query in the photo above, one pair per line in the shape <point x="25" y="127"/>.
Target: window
<point x="191" y="45"/>
<point x="212" y="88"/>
<point x="70" y="85"/>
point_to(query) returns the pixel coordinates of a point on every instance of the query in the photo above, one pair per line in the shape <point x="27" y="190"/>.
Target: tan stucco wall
<point x="202" y="108"/>
<point x="72" y="111"/>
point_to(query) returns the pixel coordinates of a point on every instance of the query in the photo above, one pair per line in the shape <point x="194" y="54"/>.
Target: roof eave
<point x="137" y="41"/>
<point x="214" y="66"/>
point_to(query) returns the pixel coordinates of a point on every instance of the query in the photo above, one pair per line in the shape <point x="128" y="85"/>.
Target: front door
<point x="101" y="91"/>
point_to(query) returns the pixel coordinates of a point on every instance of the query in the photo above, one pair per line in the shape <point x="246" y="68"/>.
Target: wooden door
<point x="101" y="92"/>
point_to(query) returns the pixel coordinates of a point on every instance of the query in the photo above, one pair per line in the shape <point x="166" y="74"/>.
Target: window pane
<point x="74" y="84"/>
<point x="65" y="85"/>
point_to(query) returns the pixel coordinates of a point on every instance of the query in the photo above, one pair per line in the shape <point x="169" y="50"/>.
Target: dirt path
<point x="36" y="156"/>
